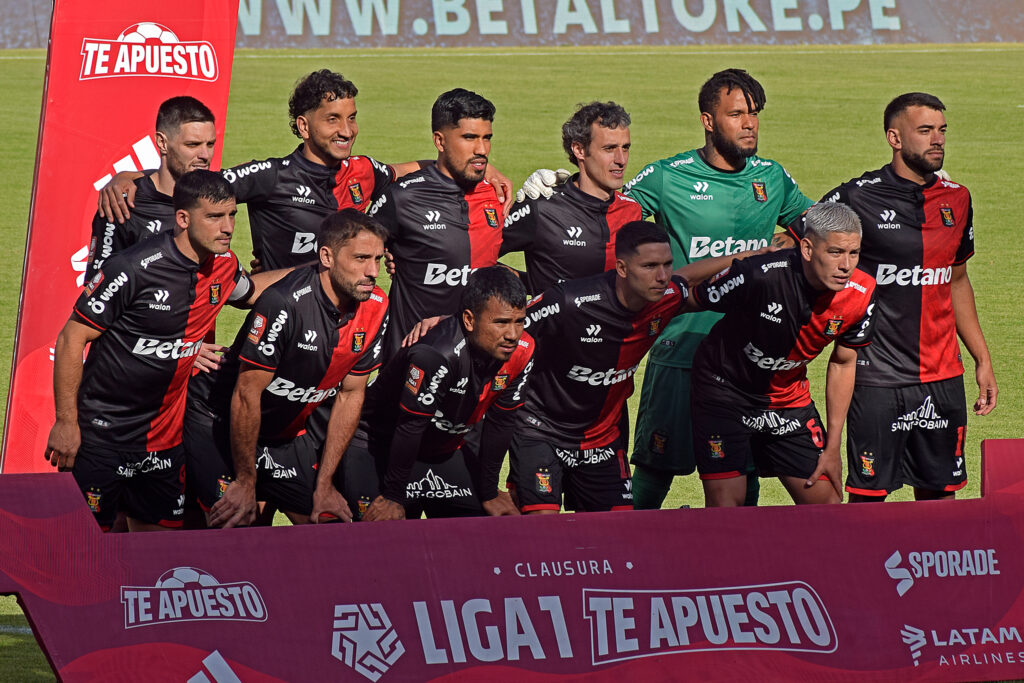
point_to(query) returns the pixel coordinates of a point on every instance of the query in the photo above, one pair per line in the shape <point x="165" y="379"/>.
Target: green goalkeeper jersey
<point x="708" y="212"/>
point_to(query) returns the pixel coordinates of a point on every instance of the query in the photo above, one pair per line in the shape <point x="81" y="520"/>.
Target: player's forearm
<point x="260" y="282"/>
<point x="67" y="377"/>
<point x="965" y="311"/>
<point x="407" y="167"/>
<point x="495" y="439"/>
<point x="405" y="446"/>
<point x="245" y="429"/>
<point x="340" y="428"/>
<point x="840" y="377"/>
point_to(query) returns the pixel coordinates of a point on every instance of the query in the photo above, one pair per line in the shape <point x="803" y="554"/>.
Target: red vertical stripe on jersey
<point x="621" y="211"/>
<point x="938" y="347"/>
<point x="165" y="429"/>
<point x="367" y="319"/>
<point x="634" y="347"/>
<point x="485" y="221"/>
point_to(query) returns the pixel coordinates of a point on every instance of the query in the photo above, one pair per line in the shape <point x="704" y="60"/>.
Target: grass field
<point x="822" y="121"/>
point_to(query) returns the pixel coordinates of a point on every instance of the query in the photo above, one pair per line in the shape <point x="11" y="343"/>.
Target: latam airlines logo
<point x="967" y="643"/>
<point x="190" y="594"/>
<point x="148" y="49"/>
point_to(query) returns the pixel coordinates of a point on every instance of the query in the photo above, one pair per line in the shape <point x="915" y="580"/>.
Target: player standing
<point x="314" y="335"/>
<point x="410" y="454"/>
<point x="572" y="233"/>
<point x="750" y="372"/>
<point x="145" y="312"/>
<point x="717" y="200"/>
<point x="908" y="417"/>
<point x="445" y="220"/>
<point x="185" y="137"/>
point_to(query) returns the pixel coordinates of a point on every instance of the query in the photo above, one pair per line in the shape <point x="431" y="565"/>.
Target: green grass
<point x="822" y="121"/>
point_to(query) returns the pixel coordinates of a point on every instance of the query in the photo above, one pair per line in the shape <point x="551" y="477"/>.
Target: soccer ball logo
<point x="180" y="577"/>
<point x="147" y="32"/>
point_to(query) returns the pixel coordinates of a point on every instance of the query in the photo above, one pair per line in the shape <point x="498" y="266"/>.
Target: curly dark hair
<point x="710" y="92"/>
<point x="579" y="126"/>
<point x="313" y="89"/>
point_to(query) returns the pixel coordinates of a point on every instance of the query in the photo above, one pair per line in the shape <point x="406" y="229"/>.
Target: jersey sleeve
<point x="861" y="332"/>
<point x="512" y="397"/>
<point x="107" y="238"/>
<point x="646" y="189"/>
<point x="372" y="358"/>
<point x="427" y="379"/>
<point x="107" y="295"/>
<point x="543" y="309"/>
<point x="966" y="248"/>
<point x="383" y="176"/>
<point x="729" y="290"/>
<point x="242" y="288"/>
<point x="271" y="326"/>
<point x="794" y="202"/>
<point x="385" y="210"/>
<point x="520" y="227"/>
<point x="253" y="181"/>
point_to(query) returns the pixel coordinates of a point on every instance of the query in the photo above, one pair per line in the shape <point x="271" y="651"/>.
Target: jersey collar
<point x="319" y="171"/>
<point x="580" y="197"/>
<point x="313" y="280"/>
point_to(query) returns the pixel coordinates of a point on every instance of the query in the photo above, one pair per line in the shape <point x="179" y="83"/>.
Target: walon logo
<point x="148" y="49"/>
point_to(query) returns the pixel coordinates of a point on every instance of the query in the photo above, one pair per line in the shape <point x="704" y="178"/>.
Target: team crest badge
<point x="867" y="464"/>
<point x="659" y="443"/>
<point x="364" y="505"/>
<point x="492" y="217"/>
<point x="832" y="328"/>
<point x="222" y="486"/>
<point x="414" y="380"/>
<point x="947" y="216"/>
<point x="654" y="327"/>
<point x="91" y="286"/>
<point x="258" y="327"/>
<point x="499" y="383"/>
<point x="214" y="293"/>
<point x="543" y="481"/>
<point x="92" y="497"/>
<point x="760" y="193"/>
<point x="716" y="449"/>
<point x="358" y="339"/>
<point x="356" y="193"/>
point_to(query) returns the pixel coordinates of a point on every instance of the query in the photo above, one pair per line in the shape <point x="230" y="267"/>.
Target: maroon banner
<point x="895" y="591"/>
<point x="109" y="67"/>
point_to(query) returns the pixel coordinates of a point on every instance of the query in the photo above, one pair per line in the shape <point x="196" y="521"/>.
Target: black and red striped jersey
<point x="913" y="236"/>
<point x="568" y="236"/>
<point x="152" y="215"/>
<point x="287" y="199"/>
<point x="440" y="233"/>
<point x="296" y="332"/>
<point x="153" y="306"/>
<point x="589" y="346"/>
<point x="431" y="394"/>
<point x="775" y="324"/>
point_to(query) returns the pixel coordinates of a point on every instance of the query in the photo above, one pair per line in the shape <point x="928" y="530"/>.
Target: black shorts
<point x="592" y="480"/>
<point x="907" y="435"/>
<point x="438" y="489"/>
<point x="781" y="442"/>
<point x="285" y="472"/>
<point x="147" y="486"/>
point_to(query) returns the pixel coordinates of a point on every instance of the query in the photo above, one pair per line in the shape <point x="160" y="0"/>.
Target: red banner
<point x="109" y="67"/>
<point x="928" y="591"/>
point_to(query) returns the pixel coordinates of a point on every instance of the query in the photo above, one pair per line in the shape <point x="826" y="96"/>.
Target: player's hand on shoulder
<point x="237" y="507"/>
<point x="502" y="187"/>
<point x="542" y="183"/>
<point x="329" y="506"/>
<point x="389" y="263"/>
<point x="209" y="357"/>
<point x="117" y="195"/>
<point x="383" y="510"/>
<point x="421" y="328"/>
<point x="63" y="444"/>
<point x="255" y="265"/>
<point x="501" y="505"/>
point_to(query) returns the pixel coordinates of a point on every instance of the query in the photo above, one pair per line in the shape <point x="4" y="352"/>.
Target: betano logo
<point x="190" y="594"/>
<point x="148" y="49"/>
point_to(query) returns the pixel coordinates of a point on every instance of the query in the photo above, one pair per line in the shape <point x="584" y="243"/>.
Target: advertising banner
<point x="109" y="67"/>
<point x="896" y="591"/>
